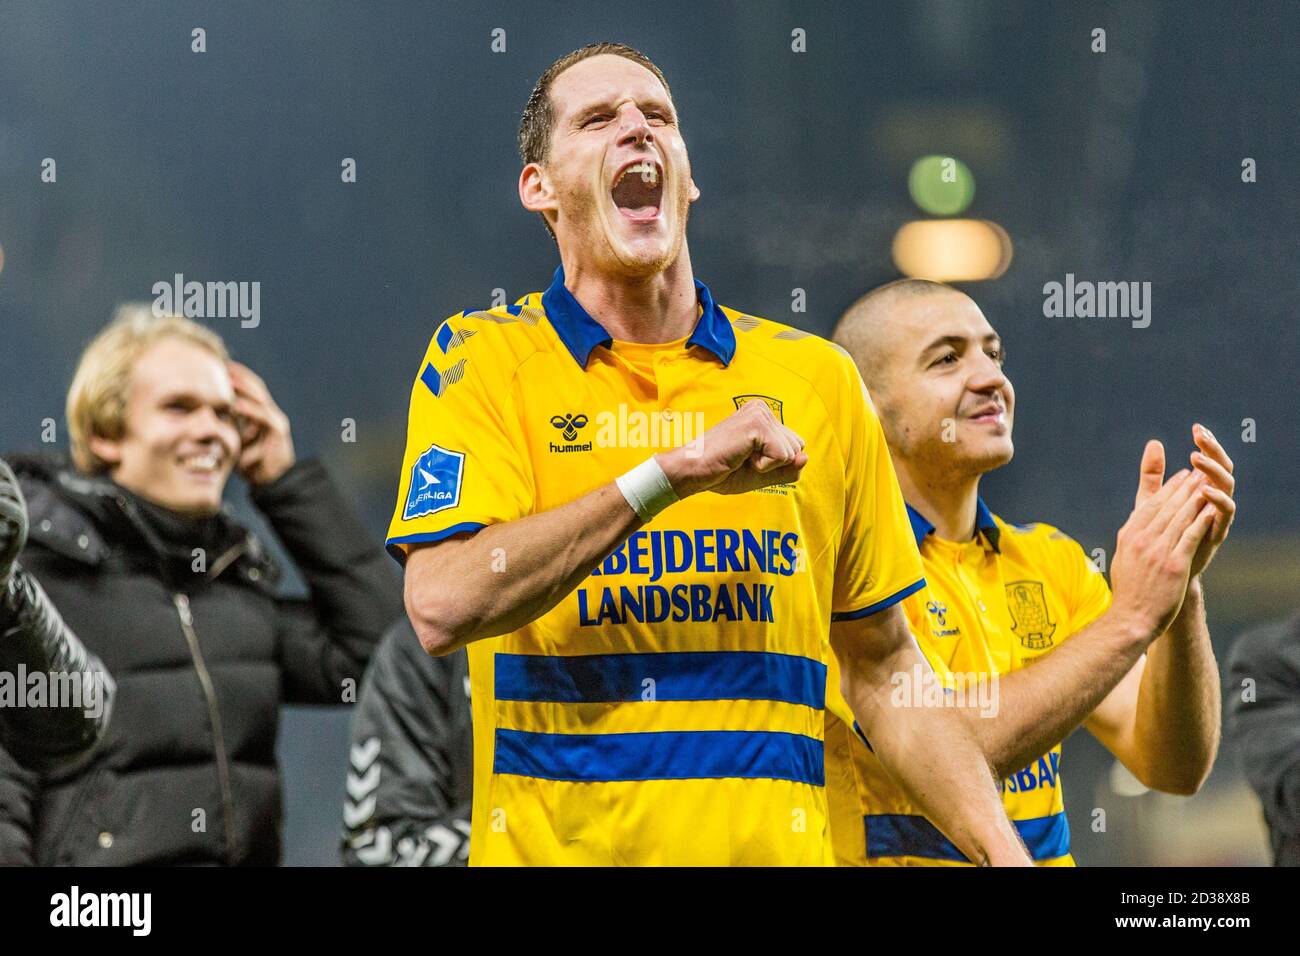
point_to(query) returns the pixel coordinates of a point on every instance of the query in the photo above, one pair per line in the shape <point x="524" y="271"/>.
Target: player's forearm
<point x="465" y="589"/>
<point x="930" y="751"/>
<point x="1177" y="724"/>
<point x="507" y="575"/>
<point x="933" y="755"/>
<point x="1039" y="706"/>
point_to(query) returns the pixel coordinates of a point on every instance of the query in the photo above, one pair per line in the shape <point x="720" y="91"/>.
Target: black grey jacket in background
<point x="203" y="659"/>
<point x="35" y="640"/>
<point x="78" y="692"/>
<point x="1267" y="729"/>
<point x="411" y="773"/>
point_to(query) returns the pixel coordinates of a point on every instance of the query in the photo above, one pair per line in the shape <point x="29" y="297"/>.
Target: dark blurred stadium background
<point x="1124" y="165"/>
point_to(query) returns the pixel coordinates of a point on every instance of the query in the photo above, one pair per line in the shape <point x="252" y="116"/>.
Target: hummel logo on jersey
<point x="569" y="425"/>
<point x="435" y="482"/>
<point x="939" y="611"/>
<point x="940" y="614"/>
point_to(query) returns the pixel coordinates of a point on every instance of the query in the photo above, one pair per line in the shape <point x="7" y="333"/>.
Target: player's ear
<point x="535" y="191"/>
<point x="695" y="190"/>
<point x="106" y="450"/>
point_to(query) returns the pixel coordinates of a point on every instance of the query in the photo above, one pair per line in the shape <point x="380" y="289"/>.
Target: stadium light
<point x="941" y="185"/>
<point x="952" y="250"/>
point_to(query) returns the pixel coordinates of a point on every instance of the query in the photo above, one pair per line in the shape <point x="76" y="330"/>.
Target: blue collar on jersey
<point x="983" y="522"/>
<point x="580" y="333"/>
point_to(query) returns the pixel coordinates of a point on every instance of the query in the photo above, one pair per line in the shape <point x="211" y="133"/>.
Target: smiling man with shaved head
<point x="650" y="517"/>
<point x="1137" y="669"/>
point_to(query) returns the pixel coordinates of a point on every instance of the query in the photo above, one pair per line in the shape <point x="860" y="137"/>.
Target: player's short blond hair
<point x="98" y="394"/>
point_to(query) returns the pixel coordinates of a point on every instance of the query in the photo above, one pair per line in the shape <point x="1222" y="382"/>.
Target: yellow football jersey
<point x="990" y="606"/>
<point x="670" y="709"/>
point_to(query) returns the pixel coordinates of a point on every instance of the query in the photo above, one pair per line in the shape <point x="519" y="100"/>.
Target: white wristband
<point x="647" y="489"/>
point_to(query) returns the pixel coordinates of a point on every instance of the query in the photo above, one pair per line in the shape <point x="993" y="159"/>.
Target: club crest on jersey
<point x="772" y="403"/>
<point x="435" y="482"/>
<point x="1030" y="619"/>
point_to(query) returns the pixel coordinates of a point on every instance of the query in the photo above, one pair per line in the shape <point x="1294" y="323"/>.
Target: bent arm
<point x="930" y="751"/>
<point x="462" y="589"/>
<point x="1159" y="715"/>
<point x="328" y="638"/>
<point x="1094" y="676"/>
<point x="1039" y="706"/>
<point x="1163" y="721"/>
<point x="34" y="637"/>
<point x="466" y="588"/>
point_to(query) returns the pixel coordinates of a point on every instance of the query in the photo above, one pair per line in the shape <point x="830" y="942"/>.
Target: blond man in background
<point x="133" y="546"/>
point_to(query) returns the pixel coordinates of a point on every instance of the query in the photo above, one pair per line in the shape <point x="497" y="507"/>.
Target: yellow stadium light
<point x="952" y="250"/>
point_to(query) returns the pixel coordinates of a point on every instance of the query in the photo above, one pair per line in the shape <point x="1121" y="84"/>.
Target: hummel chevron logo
<point x="375" y="847"/>
<point x="360" y="787"/>
<point x="362" y="782"/>
<point x="363" y="755"/>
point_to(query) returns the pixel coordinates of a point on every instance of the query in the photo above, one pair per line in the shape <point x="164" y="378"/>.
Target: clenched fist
<point x="749" y="449"/>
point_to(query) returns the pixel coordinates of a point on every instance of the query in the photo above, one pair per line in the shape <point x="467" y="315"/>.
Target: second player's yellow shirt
<point x="669" y="710"/>
<point x="991" y="605"/>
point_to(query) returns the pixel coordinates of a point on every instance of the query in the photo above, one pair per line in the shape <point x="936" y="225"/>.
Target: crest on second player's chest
<point x="1031" y="621"/>
<point x="772" y="403"/>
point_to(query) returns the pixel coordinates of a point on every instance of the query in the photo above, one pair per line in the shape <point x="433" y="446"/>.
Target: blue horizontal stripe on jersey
<point x="686" y="675"/>
<point x="660" y="755"/>
<point x="900" y="834"/>
<point x="879" y="605"/>
<point x="391" y="545"/>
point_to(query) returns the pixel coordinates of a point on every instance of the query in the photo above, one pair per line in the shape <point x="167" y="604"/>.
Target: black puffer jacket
<point x="204" y="653"/>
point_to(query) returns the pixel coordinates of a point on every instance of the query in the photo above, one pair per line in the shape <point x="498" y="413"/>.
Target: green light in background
<point x="941" y="185"/>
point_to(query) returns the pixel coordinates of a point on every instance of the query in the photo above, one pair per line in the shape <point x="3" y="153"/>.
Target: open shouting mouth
<point x="638" y="190"/>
